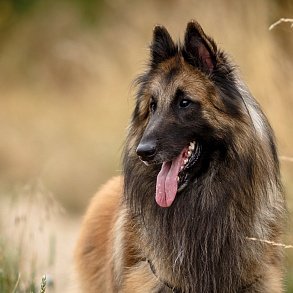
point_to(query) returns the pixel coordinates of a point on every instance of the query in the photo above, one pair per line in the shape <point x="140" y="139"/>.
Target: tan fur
<point x="92" y="250"/>
<point x="105" y="255"/>
<point x="140" y="279"/>
<point x="274" y="280"/>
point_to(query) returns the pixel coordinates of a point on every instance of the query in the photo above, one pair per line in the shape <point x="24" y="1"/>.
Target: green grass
<point x="11" y="278"/>
<point x="9" y="275"/>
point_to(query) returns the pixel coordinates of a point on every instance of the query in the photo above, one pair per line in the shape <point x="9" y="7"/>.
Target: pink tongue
<point x="167" y="185"/>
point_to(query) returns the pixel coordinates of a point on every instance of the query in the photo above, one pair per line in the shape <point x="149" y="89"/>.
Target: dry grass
<point x="37" y="239"/>
<point x="66" y="96"/>
<point x="281" y="20"/>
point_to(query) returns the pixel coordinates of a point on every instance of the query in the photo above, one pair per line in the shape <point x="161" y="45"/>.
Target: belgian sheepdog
<point x="200" y="177"/>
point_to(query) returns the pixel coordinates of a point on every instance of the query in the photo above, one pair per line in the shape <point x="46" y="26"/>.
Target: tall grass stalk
<point x="43" y="284"/>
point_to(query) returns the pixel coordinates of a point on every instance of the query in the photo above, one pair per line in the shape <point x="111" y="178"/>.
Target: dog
<point x="200" y="189"/>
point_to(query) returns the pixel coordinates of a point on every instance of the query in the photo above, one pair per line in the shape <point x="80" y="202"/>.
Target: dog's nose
<point x="146" y="151"/>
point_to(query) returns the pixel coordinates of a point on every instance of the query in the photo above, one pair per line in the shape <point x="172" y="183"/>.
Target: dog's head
<point x="187" y="106"/>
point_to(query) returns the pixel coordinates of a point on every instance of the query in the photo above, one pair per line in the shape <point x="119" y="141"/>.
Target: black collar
<point x="174" y="289"/>
<point x="178" y="290"/>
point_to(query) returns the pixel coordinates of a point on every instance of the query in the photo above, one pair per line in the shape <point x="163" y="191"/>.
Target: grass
<point x="9" y="275"/>
<point x="43" y="284"/>
<point x="27" y="247"/>
<point x="11" y="279"/>
<point x="62" y="83"/>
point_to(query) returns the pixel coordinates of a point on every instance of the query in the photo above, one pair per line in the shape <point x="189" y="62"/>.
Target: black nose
<point x="146" y="150"/>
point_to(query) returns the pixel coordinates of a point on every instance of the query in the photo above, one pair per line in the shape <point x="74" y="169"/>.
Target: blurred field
<point x="66" y="69"/>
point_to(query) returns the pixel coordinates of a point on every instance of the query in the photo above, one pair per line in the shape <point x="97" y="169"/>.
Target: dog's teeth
<point x="181" y="168"/>
<point x="189" y="153"/>
<point x="191" y="147"/>
<point x="185" y="161"/>
<point x="178" y="179"/>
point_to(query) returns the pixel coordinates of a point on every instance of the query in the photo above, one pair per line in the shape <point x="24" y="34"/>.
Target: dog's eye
<point x="153" y="106"/>
<point x="184" y="103"/>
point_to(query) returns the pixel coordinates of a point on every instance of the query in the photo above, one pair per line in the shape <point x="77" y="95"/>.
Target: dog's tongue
<point x="167" y="184"/>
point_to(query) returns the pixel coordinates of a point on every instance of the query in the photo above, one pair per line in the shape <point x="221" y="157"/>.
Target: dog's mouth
<point x="175" y="175"/>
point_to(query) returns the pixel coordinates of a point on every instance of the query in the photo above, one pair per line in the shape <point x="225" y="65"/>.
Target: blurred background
<point x="66" y="95"/>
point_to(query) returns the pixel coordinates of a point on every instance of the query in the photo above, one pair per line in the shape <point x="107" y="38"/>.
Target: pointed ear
<point x="199" y="50"/>
<point x="162" y="46"/>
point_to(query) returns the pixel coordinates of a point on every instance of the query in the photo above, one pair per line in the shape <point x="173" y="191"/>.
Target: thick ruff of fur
<point x="199" y="244"/>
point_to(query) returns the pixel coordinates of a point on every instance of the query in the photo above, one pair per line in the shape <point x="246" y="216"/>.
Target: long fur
<point x="200" y="243"/>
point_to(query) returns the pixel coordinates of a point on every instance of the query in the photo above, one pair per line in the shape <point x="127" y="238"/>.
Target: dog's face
<point x="185" y="117"/>
<point x="178" y="98"/>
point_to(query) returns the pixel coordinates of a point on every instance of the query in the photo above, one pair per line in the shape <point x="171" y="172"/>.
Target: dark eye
<point x="184" y="103"/>
<point x="153" y="105"/>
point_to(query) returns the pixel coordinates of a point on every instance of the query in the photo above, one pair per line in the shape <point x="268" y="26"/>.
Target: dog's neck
<point x="198" y="236"/>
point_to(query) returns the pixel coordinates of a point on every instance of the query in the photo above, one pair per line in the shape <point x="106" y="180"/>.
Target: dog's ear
<point x="162" y="46"/>
<point x="199" y="50"/>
